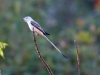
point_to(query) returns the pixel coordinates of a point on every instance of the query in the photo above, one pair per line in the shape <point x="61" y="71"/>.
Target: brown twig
<point x="40" y="56"/>
<point x="0" y="72"/>
<point x="78" y="59"/>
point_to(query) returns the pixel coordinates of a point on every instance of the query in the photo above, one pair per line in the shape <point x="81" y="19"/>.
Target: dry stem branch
<point x="78" y="59"/>
<point x="0" y="72"/>
<point x="43" y="61"/>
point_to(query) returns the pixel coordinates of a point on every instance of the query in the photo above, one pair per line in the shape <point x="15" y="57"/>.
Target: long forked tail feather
<point x="55" y="47"/>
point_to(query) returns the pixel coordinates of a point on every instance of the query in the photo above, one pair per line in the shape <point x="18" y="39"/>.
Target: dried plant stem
<point x="40" y="56"/>
<point x="78" y="58"/>
<point x="0" y="72"/>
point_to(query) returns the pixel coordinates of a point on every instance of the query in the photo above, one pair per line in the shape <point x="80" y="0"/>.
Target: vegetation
<point x="2" y="46"/>
<point x="66" y="21"/>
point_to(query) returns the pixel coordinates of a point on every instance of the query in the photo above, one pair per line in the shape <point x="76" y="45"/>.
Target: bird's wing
<point x="35" y="24"/>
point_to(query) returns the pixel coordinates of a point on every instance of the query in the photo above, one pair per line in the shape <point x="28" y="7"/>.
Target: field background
<point x="65" y="20"/>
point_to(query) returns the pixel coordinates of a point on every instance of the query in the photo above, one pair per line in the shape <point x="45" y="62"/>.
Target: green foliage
<point x="2" y="46"/>
<point x="66" y="21"/>
<point x="85" y="37"/>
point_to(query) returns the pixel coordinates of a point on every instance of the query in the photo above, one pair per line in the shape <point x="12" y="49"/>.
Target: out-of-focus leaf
<point x="1" y="53"/>
<point x="17" y="6"/>
<point x="85" y="37"/>
<point x="2" y="46"/>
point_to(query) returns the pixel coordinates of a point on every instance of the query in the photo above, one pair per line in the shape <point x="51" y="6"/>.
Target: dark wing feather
<point x="35" y="24"/>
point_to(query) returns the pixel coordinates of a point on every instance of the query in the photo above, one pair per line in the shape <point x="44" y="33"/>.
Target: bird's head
<point x="27" y="19"/>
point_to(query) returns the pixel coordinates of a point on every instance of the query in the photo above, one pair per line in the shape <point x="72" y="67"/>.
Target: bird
<point x="38" y="30"/>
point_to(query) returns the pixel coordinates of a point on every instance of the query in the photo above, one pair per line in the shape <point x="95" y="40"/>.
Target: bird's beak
<point x="23" y="19"/>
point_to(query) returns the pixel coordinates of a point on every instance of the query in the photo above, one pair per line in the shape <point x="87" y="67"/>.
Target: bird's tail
<point x="55" y="47"/>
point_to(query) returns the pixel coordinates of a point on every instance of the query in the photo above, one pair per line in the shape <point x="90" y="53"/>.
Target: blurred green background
<point x="65" y="20"/>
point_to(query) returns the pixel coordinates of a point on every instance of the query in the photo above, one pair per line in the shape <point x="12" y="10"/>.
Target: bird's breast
<point x="38" y="31"/>
<point x="30" y="26"/>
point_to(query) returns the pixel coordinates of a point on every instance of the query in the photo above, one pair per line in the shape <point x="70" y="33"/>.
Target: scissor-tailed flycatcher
<point x="34" y="26"/>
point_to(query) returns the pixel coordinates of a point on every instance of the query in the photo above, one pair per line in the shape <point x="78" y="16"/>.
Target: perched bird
<point x="37" y="29"/>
